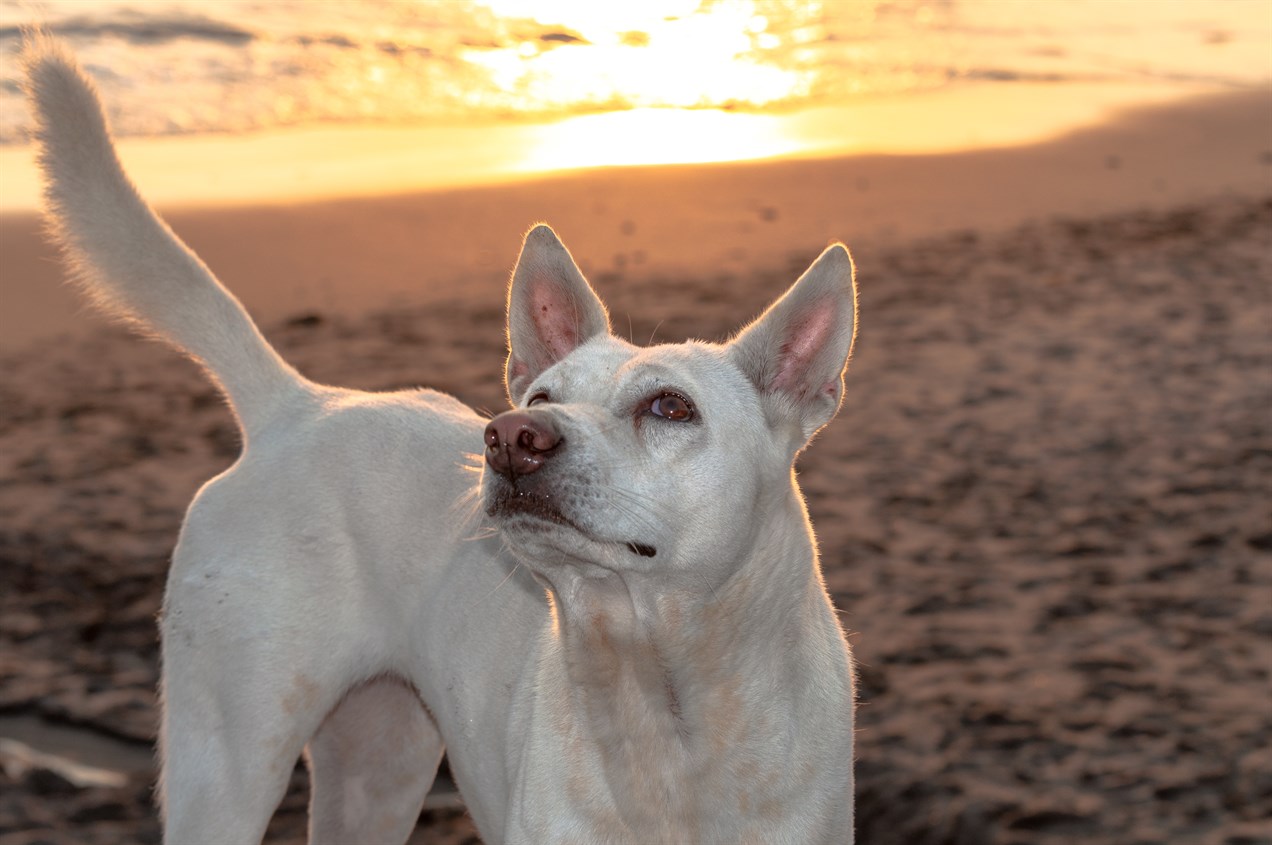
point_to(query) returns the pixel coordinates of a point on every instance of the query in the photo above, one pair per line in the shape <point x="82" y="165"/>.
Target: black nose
<point x="519" y="443"/>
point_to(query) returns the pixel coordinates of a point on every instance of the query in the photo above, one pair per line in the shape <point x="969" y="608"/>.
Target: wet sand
<point x="689" y="222"/>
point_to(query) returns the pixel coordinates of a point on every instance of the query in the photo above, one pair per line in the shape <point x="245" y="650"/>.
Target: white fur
<point x="342" y="576"/>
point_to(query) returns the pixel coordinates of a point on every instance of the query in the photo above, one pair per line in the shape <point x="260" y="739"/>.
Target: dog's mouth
<point x="510" y="503"/>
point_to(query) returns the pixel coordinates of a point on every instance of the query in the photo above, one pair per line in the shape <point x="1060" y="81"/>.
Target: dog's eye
<point x="541" y="396"/>
<point x="669" y="406"/>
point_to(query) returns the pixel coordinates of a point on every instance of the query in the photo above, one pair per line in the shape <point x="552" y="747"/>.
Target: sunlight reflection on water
<point x="657" y="136"/>
<point x="198" y="66"/>
<point x="323" y="99"/>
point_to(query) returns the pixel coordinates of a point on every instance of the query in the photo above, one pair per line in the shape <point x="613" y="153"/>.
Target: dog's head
<point x="665" y="459"/>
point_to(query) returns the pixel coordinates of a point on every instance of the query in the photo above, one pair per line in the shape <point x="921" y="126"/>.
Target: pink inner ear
<point x="806" y="335"/>
<point x="555" y="319"/>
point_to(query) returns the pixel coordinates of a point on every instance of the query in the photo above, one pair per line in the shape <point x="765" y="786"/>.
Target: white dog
<point x="617" y="627"/>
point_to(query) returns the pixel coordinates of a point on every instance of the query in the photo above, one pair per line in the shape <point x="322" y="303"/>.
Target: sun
<point x="662" y="54"/>
<point x="666" y="80"/>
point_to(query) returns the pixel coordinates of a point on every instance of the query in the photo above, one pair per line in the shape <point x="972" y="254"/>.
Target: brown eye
<point x="541" y="396"/>
<point x="669" y="406"/>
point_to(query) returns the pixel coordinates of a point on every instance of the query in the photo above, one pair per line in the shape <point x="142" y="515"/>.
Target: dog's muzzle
<point x="518" y="444"/>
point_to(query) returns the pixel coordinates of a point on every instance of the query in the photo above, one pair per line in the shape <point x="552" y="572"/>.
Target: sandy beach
<point x="1042" y="512"/>
<point x="699" y="222"/>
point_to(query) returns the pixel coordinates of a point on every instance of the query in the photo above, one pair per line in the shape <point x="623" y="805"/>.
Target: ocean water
<point x="190" y="66"/>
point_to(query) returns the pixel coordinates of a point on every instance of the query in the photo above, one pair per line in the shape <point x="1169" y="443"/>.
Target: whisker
<point x="714" y="595"/>
<point x="502" y="581"/>
<point x="654" y="332"/>
<point x="637" y="507"/>
<point x="467" y="505"/>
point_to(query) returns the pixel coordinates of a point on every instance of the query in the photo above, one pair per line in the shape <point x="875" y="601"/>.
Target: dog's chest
<point x="623" y="761"/>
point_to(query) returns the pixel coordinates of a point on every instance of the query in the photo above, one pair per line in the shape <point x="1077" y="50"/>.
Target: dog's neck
<point x="649" y="689"/>
<point x="628" y="643"/>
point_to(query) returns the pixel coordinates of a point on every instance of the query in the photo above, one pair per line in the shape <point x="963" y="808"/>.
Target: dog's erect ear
<point x="796" y="352"/>
<point x="551" y="310"/>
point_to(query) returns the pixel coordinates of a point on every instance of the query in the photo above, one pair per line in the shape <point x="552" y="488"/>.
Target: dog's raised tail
<point x="124" y="257"/>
